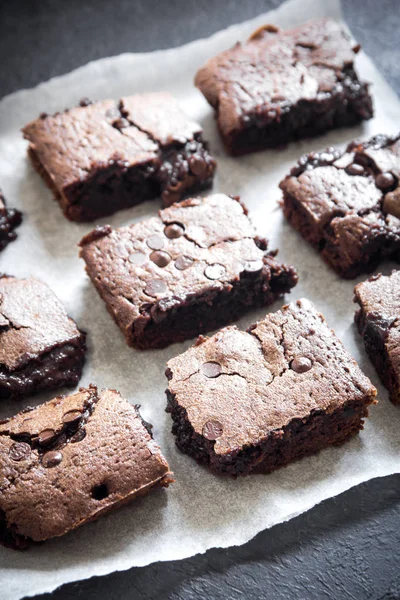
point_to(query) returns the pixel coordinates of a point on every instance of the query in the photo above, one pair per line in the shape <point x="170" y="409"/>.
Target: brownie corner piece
<point x="10" y="219"/>
<point x="347" y="204"/>
<point x="71" y="460"/>
<point x="41" y="348"/>
<point x="284" y="85"/>
<point x="101" y="157"/>
<point x="197" y="266"/>
<point x="378" y="321"/>
<point x="245" y="402"/>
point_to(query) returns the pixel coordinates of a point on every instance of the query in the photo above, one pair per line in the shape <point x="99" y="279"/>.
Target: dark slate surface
<point x="346" y="547"/>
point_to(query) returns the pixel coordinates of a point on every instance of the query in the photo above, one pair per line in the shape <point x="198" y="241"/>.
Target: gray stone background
<point x="347" y="546"/>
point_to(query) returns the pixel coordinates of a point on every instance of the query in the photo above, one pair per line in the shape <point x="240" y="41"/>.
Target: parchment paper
<point x="200" y="511"/>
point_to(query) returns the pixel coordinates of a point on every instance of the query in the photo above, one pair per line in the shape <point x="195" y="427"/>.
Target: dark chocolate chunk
<point x="211" y="369"/>
<point x="51" y="459"/>
<point x="301" y="364"/>
<point x="384" y="181"/>
<point x="160" y="258"/>
<point x="345" y="213"/>
<point x="215" y="271"/>
<point x="183" y="262"/>
<point x="155" y="287"/>
<point x="212" y="430"/>
<point x="118" y="154"/>
<point x="20" y="451"/>
<point x="174" y="230"/>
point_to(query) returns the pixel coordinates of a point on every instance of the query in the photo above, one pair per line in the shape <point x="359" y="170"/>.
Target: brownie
<point x="41" y="348"/>
<point x="283" y="85"/>
<point x="347" y="205"/>
<point x="195" y="267"/>
<point x="10" y="218"/>
<point x="72" y="460"/>
<point x="245" y="402"/>
<point x="378" y="321"/>
<point x="105" y="156"/>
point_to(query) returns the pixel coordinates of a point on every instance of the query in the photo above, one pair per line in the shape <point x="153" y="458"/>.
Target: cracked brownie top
<point x="192" y="249"/>
<point x="259" y="81"/>
<point x="32" y="322"/>
<point x="70" y="460"/>
<point x="348" y="204"/>
<point x="237" y="387"/>
<point x="147" y="132"/>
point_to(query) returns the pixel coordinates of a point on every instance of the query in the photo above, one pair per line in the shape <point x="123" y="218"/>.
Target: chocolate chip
<point x="211" y="369"/>
<point x="384" y="181"/>
<point x="174" y="230"/>
<point x="20" y="451"/>
<point x="391" y="203"/>
<point x="215" y="271"/>
<point x="121" y="123"/>
<point x="85" y="102"/>
<point x="212" y="430"/>
<point x="78" y="436"/>
<point x="155" y="242"/>
<point x="46" y="436"/>
<point x="354" y="169"/>
<point x="137" y="258"/>
<point x="155" y="287"/>
<point x="160" y="258"/>
<point x="51" y="459"/>
<point x="198" y="165"/>
<point x="301" y="364"/>
<point x="253" y="266"/>
<point x="72" y="416"/>
<point x="183" y="262"/>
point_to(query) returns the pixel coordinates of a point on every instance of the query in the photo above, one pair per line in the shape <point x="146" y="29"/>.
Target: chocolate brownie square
<point x="284" y="85"/>
<point x="10" y="218"/>
<point x="245" y="402"/>
<point x="347" y="205"/>
<point x="378" y="321"/>
<point x="72" y="460"/>
<point x="41" y="348"/>
<point x="195" y="267"/>
<point x="102" y="157"/>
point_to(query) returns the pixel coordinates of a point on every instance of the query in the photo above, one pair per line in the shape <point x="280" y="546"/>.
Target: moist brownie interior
<point x="283" y="85"/>
<point x="378" y="321"/>
<point x="347" y="205"/>
<point x="250" y="402"/>
<point x="41" y="348"/>
<point x="197" y="266"/>
<point x="72" y="460"/>
<point x="101" y="157"/>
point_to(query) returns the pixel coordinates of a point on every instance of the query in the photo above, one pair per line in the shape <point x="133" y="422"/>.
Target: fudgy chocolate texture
<point x="10" y="218"/>
<point x="378" y="321"/>
<point x="41" y="348"/>
<point x="102" y="157"/>
<point x="284" y="85"/>
<point x="347" y="205"/>
<point x="195" y="267"/>
<point x="246" y="402"/>
<point x="72" y="460"/>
